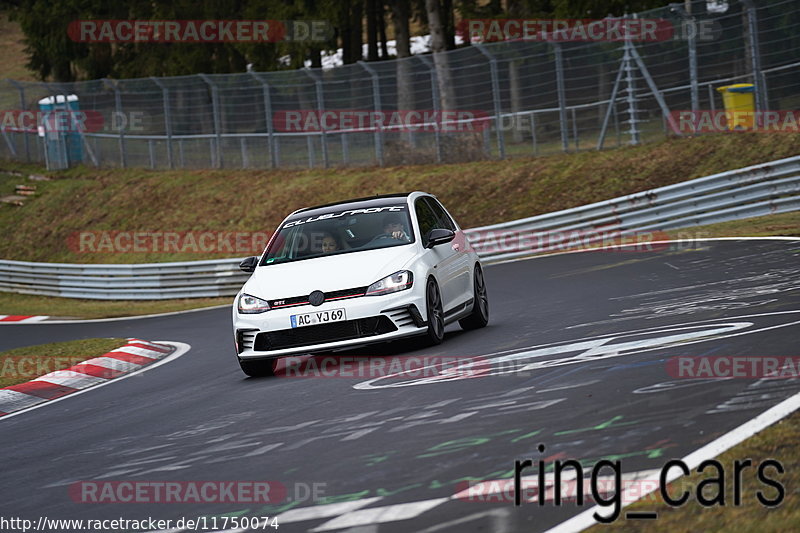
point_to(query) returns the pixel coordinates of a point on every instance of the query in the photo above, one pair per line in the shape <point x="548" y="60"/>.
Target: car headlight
<point x="251" y="305"/>
<point x="399" y="281"/>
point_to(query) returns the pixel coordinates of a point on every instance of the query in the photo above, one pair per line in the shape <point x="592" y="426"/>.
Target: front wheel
<point x="258" y="368"/>
<point x="433" y="304"/>
<point x="480" y="306"/>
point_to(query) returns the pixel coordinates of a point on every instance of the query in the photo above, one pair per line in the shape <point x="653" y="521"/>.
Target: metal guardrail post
<point x="346" y="150"/>
<point x="575" y="129"/>
<point x="711" y="99"/>
<point x="310" y="151"/>
<point x="123" y="160"/>
<point x="265" y="89"/>
<point x="562" y="98"/>
<point x="755" y="56"/>
<point x="273" y="149"/>
<point x="694" y="89"/>
<point x="612" y="102"/>
<point x="167" y="120"/>
<point x="243" y="149"/>
<point x="498" y="119"/>
<point x="376" y="102"/>
<point x="435" y="98"/>
<point x="217" y="124"/>
<point x="321" y="108"/>
<point x="25" y="140"/>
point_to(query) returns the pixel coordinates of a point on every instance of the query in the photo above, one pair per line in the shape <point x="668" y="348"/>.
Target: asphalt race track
<point x="576" y="357"/>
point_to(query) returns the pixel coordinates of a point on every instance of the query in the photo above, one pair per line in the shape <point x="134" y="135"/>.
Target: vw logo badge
<point x="316" y="298"/>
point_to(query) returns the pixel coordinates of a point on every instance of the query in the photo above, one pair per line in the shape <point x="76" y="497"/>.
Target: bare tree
<point x="382" y="31"/>
<point x="372" y="29"/>
<point x="447" y="15"/>
<point x="515" y="10"/>
<point x="440" y="60"/>
<point x="401" y="13"/>
<point x="350" y="27"/>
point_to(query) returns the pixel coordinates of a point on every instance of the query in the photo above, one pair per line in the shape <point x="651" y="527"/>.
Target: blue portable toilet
<point x="63" y="138"/>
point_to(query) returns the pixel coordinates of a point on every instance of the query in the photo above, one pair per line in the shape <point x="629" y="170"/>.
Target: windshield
<point x="336" y="231"/>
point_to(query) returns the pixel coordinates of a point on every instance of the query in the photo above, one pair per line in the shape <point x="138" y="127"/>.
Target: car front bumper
<point x="369" y="319"/>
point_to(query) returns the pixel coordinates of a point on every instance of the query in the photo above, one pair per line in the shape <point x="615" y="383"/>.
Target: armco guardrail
<point x="752" y="191"/>
<point x="150" y="281"/>
<point x="757" y="190"/>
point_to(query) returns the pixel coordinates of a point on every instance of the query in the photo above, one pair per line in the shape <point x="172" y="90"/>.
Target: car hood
<point x="337" y="272"/>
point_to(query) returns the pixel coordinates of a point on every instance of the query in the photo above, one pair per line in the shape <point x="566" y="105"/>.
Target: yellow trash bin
<point x="740" y="105"/>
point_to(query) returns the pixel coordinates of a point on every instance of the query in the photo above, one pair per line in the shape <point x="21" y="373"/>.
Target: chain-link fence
<point x="521" y="98"/>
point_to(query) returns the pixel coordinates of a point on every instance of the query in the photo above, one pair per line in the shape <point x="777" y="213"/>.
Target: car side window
<point x="444" y="220"/>
<point x="426" y="219"/>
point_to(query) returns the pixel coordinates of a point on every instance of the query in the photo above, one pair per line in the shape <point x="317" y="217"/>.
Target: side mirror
<point x="439" y="236"/>
<point x="249" y="264"/>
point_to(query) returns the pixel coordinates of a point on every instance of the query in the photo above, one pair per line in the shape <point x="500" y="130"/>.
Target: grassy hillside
<point x="88" y="199"/>
<point x="13" y="58"/>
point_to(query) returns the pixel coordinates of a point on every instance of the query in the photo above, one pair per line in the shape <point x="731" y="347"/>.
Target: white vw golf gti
<point x="357" y="272"/>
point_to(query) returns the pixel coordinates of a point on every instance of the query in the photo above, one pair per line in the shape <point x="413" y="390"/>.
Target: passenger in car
<point x="329" y="243"/>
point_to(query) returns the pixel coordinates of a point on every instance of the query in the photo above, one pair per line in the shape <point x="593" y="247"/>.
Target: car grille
<point x="303" y="300"/>
<point x="322" y="333"/>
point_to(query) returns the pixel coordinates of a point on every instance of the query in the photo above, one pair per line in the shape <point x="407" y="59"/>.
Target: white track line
<point x="379" y="515"/>
<point x="324" y="511"/>
<point x="709" y="451"/>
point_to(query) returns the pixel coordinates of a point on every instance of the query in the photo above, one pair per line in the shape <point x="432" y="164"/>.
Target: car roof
<point x="378" y="199"/>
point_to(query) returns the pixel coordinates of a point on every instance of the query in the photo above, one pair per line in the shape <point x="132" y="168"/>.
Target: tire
<point x="433" y="305"/>
<point x="258" y="368"/>
<point x="480" y="307"/>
